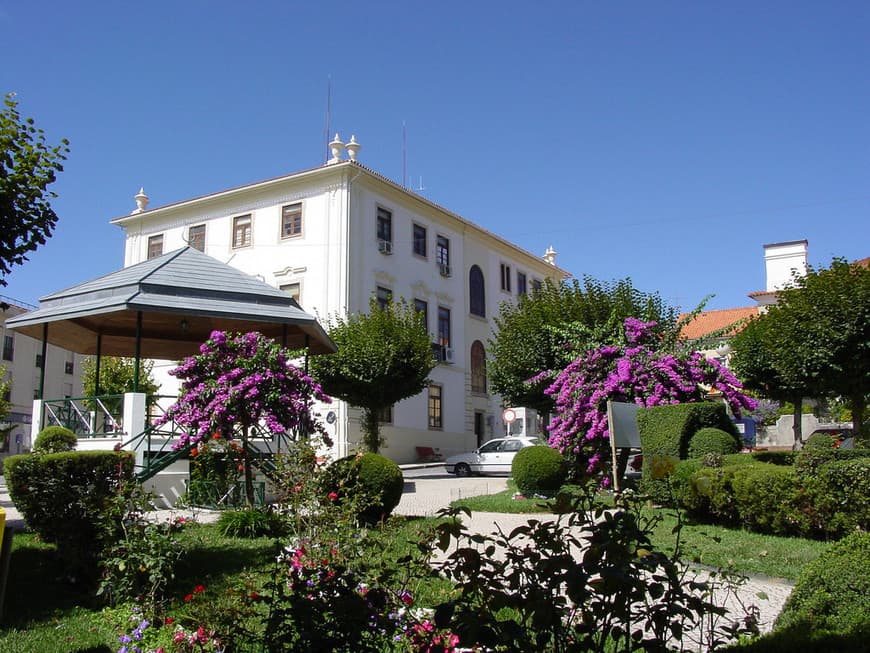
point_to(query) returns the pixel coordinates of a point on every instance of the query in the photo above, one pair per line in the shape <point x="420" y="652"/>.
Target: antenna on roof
<point x="420" y="188"/>
<point x="404" y="157"/>
<point x="326" y="150"/>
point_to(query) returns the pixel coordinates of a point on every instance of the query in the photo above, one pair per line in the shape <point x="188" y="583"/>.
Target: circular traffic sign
<point x="509" y="415"/>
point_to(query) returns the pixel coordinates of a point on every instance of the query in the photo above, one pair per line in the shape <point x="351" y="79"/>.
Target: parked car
<point x="493" y="457"/>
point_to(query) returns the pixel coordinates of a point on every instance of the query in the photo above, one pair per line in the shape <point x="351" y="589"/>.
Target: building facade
<point x="338" y="235"/>
<point x="22" y="359"/>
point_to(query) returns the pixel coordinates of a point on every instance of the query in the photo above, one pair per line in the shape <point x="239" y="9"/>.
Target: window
<point x="505" y="277"/>
<point x="478" y="367"/>
<point x="8" y="348"/>
<point x="420" y="240"/>
<point x="196" y="237"/>
<point x="68" y="367"/>
<point x="292" y="289"/>
<point x="476" y="292"/>
<point x="384" y="296"/>
<point x="521" y="283"/>
<point x="422" y="309"/>
<point x="536" y="285"/>
<point x="242" y="231"/>
<point x="39" y="361"/>
<point x="155" y="246"/>
<point x="385" y="226"/>
<point x="291" y="220"/>
<point x="443" y="326"/>
<point x="442" y="250"/>
<point x="385" y="415"/>
<point x="435" y="416"/>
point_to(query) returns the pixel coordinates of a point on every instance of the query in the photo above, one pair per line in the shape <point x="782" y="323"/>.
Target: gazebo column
<point x="138" y="351"/>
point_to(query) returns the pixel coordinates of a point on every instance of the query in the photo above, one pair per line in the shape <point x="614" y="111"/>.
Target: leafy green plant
<point x="768" y="499"/>
<point x="250" y="523"/>
<point x="712" y="440"/>
<point x="539" y="470"/>
<point x="838" y="496"/>
<point x="374" y="482"/>
<point x="54" y="439"/>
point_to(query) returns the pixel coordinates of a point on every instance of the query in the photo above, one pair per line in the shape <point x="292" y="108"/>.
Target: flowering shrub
<point x="630" y="372"/>
<point x="237" y="382"/>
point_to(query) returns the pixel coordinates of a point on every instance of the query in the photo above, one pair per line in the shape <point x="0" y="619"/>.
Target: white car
<point x="493" y="457"/>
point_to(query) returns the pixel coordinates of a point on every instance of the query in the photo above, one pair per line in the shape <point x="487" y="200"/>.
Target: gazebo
<point x="163" y="308"/>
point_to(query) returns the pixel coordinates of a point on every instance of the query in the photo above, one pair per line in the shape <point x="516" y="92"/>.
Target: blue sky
<point x="662" y="141"/>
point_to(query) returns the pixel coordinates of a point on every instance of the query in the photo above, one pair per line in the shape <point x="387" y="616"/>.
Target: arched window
<point x="476" y="292"/>
<point x="478" y="367"/>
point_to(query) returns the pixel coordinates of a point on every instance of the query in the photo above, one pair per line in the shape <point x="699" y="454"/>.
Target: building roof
<point x="123" y="220"/>
<point x="181" y="297"/>
<point x="709" y="322"/>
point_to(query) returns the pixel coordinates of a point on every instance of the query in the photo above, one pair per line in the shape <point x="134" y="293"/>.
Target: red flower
<point x="199" y="589"/>
<point x="168" y="620"/>
<point x="254" y="595"/>
<point x="194" y="452"/>
<point x="216" y="436"/>
<point x="189" y="597"/>
<point x="332" y="496"/>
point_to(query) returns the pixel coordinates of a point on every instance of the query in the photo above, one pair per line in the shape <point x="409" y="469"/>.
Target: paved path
<point x="425" y="496"/>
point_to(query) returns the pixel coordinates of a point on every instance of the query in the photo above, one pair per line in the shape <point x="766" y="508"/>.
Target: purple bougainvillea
<point x="632" y="372"/>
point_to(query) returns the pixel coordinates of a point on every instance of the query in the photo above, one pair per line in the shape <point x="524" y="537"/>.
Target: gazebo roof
<point x="181" y="297"/>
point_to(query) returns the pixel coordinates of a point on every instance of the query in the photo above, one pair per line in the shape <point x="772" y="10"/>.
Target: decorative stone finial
<point x="336" y="146"/>
<point x="353" y="148"/>
<point x="141" y="201"/>
<point x="550" y="255"/>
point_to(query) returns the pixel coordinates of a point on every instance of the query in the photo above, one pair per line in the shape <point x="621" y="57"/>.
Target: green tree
<point x="5" y="409"/>
<point x="116" y="376"/>
<point x="27" y="167"/>
<point x="546" y="329"/>
<point x="383" y="356"/>
<point x="772" y="359"/>
<point x="832" y="308"/>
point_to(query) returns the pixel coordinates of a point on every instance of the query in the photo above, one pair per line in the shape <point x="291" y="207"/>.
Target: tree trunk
<point x="371" y="429"/>
<point x="249" y="475"/>
<point x="859" y="409"/>
<point x="797" y="413"/>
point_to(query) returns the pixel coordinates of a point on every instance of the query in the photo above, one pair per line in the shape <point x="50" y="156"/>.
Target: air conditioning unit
<point x="444" y="269"/>
<point x="385" y="247"/>
<point x="448" y="355"/>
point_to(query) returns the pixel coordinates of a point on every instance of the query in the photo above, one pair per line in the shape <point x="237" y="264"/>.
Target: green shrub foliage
<point x="539" y="470"/>
<point x="372" y="481"/>
<point x="833" y="592"/>
<point x="667" y="431"/>
<point x="839" y="496"/>
<point x="54" y="439"/>
<point x="711" y="440"/>
<point x="64" y="497"/>
<point x="820" y="441"/>
<point x="250" y="523"/>
<point x="775" y="457"/>
<point x="767" y="498"/>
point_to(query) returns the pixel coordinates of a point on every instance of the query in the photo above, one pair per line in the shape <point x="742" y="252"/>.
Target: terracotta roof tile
<point x="709" y="321"/>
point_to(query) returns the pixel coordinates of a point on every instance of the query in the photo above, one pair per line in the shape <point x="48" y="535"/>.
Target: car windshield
<point x="492" y="445"/>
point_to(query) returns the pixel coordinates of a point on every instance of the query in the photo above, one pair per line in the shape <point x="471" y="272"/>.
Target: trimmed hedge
<point x="839" y="494"/>
<point x="667" y="431"/>
<point x="775" y="457"/>
<point x="54" y="439"/>
<point x="768" y="499"/>
<point x="833" y="592"/>
<point x="713" y="440"/>
<point x="65" y="498"/>
<point x="370" y="479"/>
<point x="539" y="470"/>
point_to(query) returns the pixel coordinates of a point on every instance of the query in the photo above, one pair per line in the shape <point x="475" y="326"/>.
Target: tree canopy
<point x="27" y="167"/>
<point x="383" y="356"/>
<point x="116" y="376"/>
<point x="237" y="382"/>
<point x="544" y="331"/>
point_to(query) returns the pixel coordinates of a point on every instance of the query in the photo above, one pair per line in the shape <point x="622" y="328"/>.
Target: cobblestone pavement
<point x="425" y="496"/>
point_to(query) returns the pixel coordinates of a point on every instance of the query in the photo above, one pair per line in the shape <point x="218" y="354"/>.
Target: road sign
<point x="509" y="415"/>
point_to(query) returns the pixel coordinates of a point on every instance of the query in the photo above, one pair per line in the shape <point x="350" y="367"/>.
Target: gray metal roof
<point x="182" y="297"/>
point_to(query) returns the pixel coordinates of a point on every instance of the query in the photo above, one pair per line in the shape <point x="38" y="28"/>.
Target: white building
<point x="337" y="235"/>
<point x="21" y="356"/>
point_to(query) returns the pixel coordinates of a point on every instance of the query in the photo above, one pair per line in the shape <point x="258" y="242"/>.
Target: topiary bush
<point x="539" y="470"/>
<point x="833" y="592"/>
<point x="250" y="523"/>
<point x="712" y="440"/>
<point x="786" y="458"/>
<point x="768" y="499"/>
<point x="370" y="481"/>
<point x="66" y="497"/>
<point x="838" y="496"/>
<point x="54" y="439"/>
<point x="667" y="431"/>
<point x="820" y="441"/>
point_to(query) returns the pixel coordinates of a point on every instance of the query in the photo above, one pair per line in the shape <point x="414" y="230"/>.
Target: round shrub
<point x="711" y="440"/>
<point x="370" y="482"/>
<point x="54" y="439"/>
<point x="250" y="523"/>
<point x="822" y="441"/>
<point x="767" y="498"/>
<point x="833" y="592"/>
<point x="539" y="470"/>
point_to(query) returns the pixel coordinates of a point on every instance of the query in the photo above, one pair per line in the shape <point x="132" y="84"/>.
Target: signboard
<point x="622" y="425"/>
<point x="509" y="415"/>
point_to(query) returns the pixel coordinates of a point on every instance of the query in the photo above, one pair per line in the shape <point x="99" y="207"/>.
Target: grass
<point x="714" y="546"/>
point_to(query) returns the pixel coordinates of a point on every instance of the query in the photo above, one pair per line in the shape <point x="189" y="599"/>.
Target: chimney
<point x="783" y="261"/>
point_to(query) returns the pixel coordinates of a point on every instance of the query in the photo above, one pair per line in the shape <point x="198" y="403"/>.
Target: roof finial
<point x="336" y="146"/>
<point x="353" y="148"/>
<point x="550" y="256"/>
<point x="141" y="201"/>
